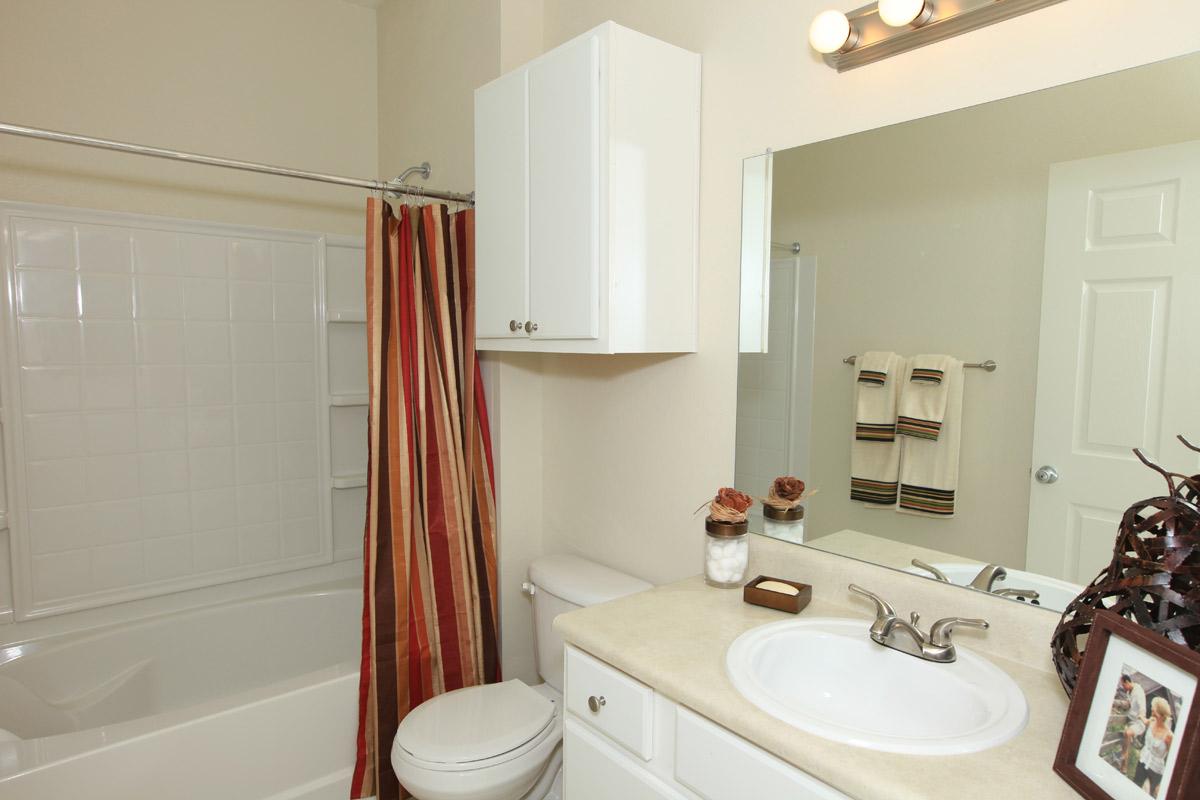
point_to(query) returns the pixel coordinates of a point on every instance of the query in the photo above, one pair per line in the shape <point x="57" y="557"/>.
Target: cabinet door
<point x="502" y="207"/>
<point x="717" y="765"/>
<point x="564" y="192"/>
<point x="595" y="770"/>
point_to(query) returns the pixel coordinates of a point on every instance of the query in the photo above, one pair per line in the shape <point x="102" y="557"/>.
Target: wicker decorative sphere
<point x="1153" y="580"/>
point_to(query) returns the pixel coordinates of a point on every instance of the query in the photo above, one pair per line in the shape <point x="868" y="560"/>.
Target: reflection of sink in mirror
<point x="1053" y="594"/>
<point x="826" y="677"/>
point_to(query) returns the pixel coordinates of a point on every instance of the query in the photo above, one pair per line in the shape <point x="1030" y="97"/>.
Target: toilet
<point x="503" y="741"/>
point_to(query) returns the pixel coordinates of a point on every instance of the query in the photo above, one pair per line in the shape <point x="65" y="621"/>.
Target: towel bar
<point x="987" y="366"/>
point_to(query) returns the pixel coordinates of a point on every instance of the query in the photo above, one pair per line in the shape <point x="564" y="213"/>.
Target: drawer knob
<point x="596" y="703"/>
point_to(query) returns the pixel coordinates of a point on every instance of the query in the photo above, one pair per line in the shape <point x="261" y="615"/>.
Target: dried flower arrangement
<point x="728" y="506"/>
<point x="786" y="493"/>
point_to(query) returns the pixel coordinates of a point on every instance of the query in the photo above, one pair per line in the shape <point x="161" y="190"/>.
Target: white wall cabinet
<point x="640" y="745"/>
<point x="587" y="189"/>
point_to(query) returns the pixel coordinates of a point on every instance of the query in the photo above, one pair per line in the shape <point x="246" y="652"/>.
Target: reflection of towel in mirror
<point x="929" y="423"/>
<point x="923" y="397"/>
<point x="874" y="451"/>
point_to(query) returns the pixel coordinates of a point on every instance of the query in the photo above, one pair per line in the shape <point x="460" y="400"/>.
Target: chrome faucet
<point x="933" y="646"/>
<point x="985" y="581"/>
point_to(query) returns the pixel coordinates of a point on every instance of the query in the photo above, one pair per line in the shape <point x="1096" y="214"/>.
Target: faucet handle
<point x="939" y="633"/>
<point x="931" y="569"/>
<point x="883" y="608"/>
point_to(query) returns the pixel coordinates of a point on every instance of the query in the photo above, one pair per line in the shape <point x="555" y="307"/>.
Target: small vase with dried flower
<point x="783" y="509"/>
<point x="726" y="547"/>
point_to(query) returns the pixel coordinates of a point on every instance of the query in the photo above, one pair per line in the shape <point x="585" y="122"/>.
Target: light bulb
<point x="830" y="32"/>
<point x="901" y="13"/>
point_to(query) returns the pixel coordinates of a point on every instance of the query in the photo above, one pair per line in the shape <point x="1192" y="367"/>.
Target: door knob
<point x="530" y="327"/>
<point x="514" y="326"/>
<point x="1046" y="474"/>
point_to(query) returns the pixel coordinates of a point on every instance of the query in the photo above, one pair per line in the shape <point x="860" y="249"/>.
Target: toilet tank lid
<point x="582" y="582"/>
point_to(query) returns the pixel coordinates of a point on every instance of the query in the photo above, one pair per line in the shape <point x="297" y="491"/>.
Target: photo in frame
<point x="1132" y="731"/>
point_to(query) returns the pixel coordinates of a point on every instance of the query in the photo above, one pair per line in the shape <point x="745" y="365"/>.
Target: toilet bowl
<point x="480" y="743"/>
<point x="503" y="741"/>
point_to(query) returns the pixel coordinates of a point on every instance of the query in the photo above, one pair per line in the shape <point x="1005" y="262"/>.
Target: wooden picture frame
<point x="1102" y="715"/>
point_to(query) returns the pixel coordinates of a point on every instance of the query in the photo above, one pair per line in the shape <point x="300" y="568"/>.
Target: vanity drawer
<point x="611" y="702"/>
<point x="717" y="765"/>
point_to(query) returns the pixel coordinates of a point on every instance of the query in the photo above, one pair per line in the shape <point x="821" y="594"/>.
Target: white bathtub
<point x="243" y="701"/>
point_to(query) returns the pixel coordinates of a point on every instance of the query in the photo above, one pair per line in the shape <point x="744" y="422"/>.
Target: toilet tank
<point x="564" y="583"/>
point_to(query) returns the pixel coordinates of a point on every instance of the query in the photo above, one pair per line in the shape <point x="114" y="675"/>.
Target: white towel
<point x="874" y="451"/>
<point x="929" y="462"/>
<point x="923" y="397"/>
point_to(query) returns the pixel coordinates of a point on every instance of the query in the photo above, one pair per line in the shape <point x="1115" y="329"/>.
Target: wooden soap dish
<point x="793" y="604"/>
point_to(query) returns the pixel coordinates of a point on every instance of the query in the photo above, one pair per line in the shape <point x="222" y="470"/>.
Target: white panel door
<point x="564" y="192"/>
<point x="502" y="202"/>
<point x="1117" y="363"/>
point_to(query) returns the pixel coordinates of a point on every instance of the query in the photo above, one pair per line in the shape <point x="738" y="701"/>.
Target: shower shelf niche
<point x="349" y="481"/>
<point x="344" y="400"/>
<point x="345" y="315"/>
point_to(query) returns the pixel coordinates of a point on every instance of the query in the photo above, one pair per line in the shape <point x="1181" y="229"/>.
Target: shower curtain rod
<point x="392" y="186"/>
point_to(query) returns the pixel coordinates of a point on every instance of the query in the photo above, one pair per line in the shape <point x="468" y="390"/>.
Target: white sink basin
<point x="1054" y="594"/>
<point x="826" y="677"/>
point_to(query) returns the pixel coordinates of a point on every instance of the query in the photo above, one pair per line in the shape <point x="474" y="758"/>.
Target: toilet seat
<point x="519" y="724"/>
<point x="475" y="727"/>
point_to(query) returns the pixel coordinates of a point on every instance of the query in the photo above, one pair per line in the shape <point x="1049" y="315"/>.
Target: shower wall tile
<point x="44" y="243"/>
<point x="170" y="377"/>
<point x="109" y="433"/>
<point x="202" y="256"/>
<point x="46" y="292"/>
<point x="51" y="388"/>
<point x="214" y="551"/>
<point x="104" y="249"/>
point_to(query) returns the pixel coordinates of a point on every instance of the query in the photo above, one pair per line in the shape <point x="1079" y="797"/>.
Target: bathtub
<point x="249" y="700"/>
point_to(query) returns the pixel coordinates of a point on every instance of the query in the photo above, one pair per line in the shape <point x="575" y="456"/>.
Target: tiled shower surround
<point x="170" y="406"/>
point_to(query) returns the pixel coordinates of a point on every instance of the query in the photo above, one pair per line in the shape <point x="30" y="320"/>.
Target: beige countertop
<point x="674" y="638"/>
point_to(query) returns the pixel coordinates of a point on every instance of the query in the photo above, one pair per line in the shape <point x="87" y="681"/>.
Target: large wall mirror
<point x="1056" y="234"/>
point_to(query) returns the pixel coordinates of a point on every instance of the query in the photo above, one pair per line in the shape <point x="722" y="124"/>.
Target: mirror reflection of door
<point x="1117" y="361"/>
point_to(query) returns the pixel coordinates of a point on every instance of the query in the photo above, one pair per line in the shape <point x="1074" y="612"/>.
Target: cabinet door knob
<point x="530" y="327"/>
<point x="514" y="326"/>
<point x="596" y="703"/>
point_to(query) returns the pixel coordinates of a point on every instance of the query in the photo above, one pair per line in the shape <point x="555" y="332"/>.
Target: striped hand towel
<point x="923" y="398"/>
<point x="929" y="465"/>
<point x="874" y="451"/>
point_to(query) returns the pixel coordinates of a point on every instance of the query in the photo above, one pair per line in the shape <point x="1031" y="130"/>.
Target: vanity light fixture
<point x="889" y="27"/>
<point x="831" y="32"/>
<point x="899" y="13"/>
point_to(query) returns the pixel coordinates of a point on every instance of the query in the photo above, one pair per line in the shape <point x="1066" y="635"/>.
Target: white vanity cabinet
<point x="623" y="739"/>
<point x="586" y="197"/>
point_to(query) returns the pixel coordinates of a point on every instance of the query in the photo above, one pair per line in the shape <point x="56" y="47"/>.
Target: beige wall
<point x="929" y="238"/>
<point x="289" y="82"/>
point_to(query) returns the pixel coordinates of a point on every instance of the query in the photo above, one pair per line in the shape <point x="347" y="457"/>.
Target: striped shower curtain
<point x="429" y="612"/>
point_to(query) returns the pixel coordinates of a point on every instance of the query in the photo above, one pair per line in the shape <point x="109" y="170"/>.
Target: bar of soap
<point x="780" y="587"/>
